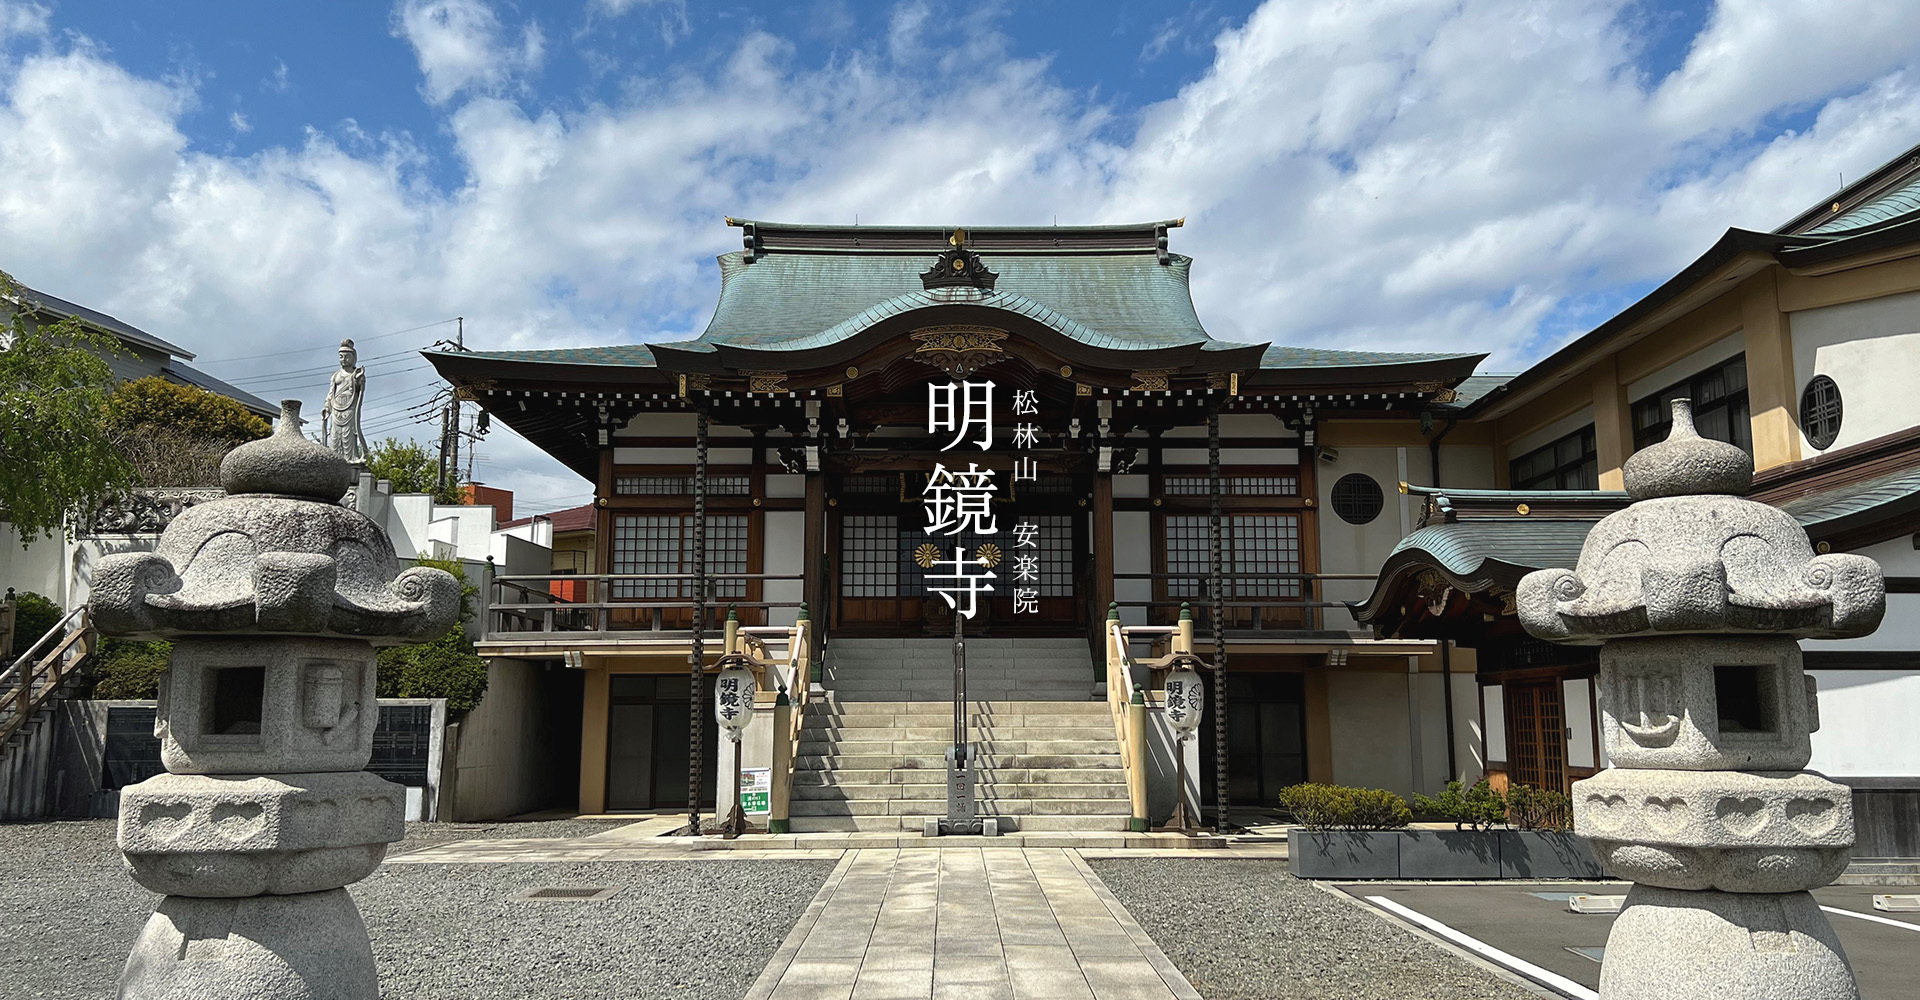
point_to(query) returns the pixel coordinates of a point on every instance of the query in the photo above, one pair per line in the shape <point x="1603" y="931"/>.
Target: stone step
<point x="987" y="790"/>
<point x="978" y="707"/>
<point x="859" y="762"/>
<point x="914" y="824"/>
<point x="990" y="747"/>
<point x="819" y="731"/>
<point x="930" y="776"/>
<point x="922" y="807"/>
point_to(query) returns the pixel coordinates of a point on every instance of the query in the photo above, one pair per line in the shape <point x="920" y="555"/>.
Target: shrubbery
<point x="1479" y="807"/>
<point x="1535" y="809"/>
<point x="33" y="616"/>
<point x="445" y="667"/>
<point x="130" y="670"/>
<point x="1483" y="806"/>
<point x="1337" y="807"/>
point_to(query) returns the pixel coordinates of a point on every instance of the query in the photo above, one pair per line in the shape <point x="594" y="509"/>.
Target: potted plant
<point x="1349" y="832"/>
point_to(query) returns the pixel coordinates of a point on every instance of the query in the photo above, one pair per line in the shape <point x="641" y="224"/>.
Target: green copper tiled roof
<point x="1817" y="509"/>
<point x="631" y="355"/>
<point x="1900" y="201"/>
<point x="792" y="301"/>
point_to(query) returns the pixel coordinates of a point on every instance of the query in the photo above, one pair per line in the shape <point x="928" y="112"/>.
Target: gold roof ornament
<point x="958" y="239"/>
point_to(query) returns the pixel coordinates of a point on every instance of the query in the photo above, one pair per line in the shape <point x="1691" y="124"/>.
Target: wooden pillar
<point x="1612" y="422"/>
<point x="594" y="703"/>
<point x="1771" y="394"/>
<point x="816" y="587"/>
<point x="1102" y="544"/>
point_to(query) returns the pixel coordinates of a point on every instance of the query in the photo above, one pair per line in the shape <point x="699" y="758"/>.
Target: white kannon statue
<point x="340" y="416"/>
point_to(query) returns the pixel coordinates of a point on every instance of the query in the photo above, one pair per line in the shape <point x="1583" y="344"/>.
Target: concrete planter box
<point x="1547" y="854"/>
<point x="1440" y="854"/>
<point x="1344" y="853"/>
<point x="1466" y="854"/>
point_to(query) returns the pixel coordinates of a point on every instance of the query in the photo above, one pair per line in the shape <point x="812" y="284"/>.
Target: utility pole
<point x="450" y="419"/>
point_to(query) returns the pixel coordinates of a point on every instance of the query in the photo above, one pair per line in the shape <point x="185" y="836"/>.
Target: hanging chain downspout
<point x="1446" y="645"/>
<point x="697" y="656"/>
<point x="1218" y="595"/>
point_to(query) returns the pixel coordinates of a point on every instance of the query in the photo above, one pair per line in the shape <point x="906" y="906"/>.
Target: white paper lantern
<point x="733" y="697"/>
<point x="1186" y="699"/>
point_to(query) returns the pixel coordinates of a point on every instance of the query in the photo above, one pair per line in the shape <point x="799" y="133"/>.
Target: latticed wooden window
<point x="1056" y="556"/>
<point x="1820" y="412"/>
<point x="1249" y="543"/>
<point x="663" y="543"/>
<point x="869" y="566"/>
<point x="719" y="486"/>
<point x="1234" y="486"/>
<point x="1536" y="736"/>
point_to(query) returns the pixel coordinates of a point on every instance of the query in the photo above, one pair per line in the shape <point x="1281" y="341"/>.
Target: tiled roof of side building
<point x="63" y="309"/>
<point x="629" y="355"/>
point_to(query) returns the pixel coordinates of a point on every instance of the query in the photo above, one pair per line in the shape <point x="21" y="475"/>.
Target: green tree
<point x="176" y="435"/>
<point x="445" y="667"/>
<point x="130" y="669"/>
<point x="55" y="446"/>
<point x="33" y="616"/>
<point x="411" y="469"/>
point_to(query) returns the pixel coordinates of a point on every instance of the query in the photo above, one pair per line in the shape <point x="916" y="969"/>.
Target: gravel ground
<point x="1248" y="930"/>
<point x="69" y="912"/>
<point x="421" y="835"/>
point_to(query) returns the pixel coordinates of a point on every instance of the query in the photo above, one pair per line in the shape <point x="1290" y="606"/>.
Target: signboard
<point x="960" y="501"/>
<point x="756" y="790"/>
<point x="733" y="698"/>
<point x="1186" y="700"/>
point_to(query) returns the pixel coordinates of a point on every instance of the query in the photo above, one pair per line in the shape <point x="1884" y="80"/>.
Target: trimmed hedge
<point x="1337" y="807"/>
<point x="130" y="670"/>
<point x="1478" y="808"/>
<point x="33" y="616"/>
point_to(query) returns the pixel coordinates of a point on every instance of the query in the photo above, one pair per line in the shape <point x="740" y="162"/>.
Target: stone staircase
<point x="873" y="753"/>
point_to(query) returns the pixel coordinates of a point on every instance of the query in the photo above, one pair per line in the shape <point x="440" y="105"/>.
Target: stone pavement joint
<point x="967" y="924"/>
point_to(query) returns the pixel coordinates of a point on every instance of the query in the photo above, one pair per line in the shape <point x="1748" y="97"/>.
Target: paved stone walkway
<point x="967" y="924"/>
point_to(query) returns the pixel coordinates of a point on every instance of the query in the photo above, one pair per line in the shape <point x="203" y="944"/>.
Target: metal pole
<point x="697" y="657"/>
<point x="1179" y="818"/>
<point x="737" y="816"/>
<point x="1215" y="590"/>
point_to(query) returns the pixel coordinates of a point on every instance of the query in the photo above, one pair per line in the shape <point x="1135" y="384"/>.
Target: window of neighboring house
<point x="663" y="543"/>
<point x="1720" y="408"/>
<point x="1571" y="463"/>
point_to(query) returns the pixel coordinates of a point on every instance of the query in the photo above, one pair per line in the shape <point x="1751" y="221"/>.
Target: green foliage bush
<point x="411" y="469"/>
<point x="1536" y="809"/>
<point x="1337" y="807"/>
<point x="446" y="667"/>
<point x="1478" y="808"/>
<point x="33" y="615"/>
<point x="130" y="670"/>
<point x="183" y="409"/>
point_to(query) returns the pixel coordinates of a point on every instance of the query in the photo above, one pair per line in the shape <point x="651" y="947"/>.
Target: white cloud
<point x="674" y="22"/>
<point x="241" y="126"/>
<point x="22" y="20"/>
<point x="461" y="45"/>
<point x="1396" y="175"/>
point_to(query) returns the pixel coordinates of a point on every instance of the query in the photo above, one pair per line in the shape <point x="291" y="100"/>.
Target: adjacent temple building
<point x="1377" y="509"/>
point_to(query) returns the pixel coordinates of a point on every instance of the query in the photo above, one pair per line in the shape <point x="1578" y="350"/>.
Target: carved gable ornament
<point x="959" y="350"/>
<point x="958" y="267"/>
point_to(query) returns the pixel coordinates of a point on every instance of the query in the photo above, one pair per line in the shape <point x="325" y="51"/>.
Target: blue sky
<point x="257" y="180"/>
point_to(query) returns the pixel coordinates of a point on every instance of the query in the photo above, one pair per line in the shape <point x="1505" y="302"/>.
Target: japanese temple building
<point x="813" y="378"/>
<point x="1376" y="509"/>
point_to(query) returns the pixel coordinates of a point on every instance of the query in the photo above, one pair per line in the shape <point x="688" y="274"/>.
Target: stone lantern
<point x="1698" y="596"/>
<point x="274" y="598"/>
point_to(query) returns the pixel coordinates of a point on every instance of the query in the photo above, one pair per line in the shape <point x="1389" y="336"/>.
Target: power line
<point x="320" y="370"/>
<point x="293" y="379"/>
<point x="309" y="350"/>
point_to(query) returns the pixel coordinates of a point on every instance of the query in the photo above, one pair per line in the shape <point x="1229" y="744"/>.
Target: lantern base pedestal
<point x="311" y="946"/>
<point x="1674" y="944"/>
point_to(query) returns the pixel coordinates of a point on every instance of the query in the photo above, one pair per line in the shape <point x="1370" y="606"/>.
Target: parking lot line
<point x="1903" y="925"/>
<point x="1553" y="980"/>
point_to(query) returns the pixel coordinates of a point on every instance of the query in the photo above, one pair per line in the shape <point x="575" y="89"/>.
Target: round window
<point x="1356" y="498"/>
<point x="1820" y="412"/>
